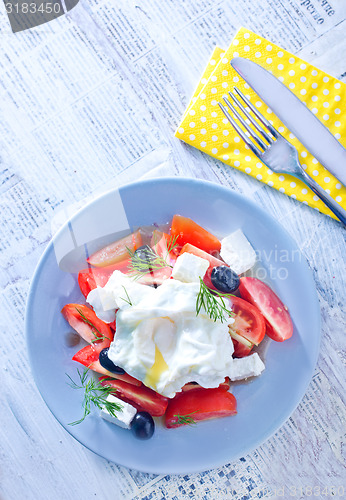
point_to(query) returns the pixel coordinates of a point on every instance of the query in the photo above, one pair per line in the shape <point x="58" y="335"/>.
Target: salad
<point x="170" y="323"/>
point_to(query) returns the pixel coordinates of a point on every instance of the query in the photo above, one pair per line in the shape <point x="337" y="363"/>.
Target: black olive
<point x="142" y="425"/>
<point x="224" y="279"/>
<point x="145" y="255"/>
<point x="108" y="364"/>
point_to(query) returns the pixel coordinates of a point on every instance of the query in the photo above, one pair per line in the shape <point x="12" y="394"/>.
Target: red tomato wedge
<point x="194" y="386"/>
<point x="187" y="231"/>
<point x="90" y="278"/>
<point x="142" y="398"/>
<point x="156" y="277"/>
<point x="241" y="350"/>
<point x="117" y="251"/>
<point x="201" y="404"/>
<point x="89" y="357"/>
<point x="213" y="261"/>
<point x="249" y="327"/>
<point x="277" y="318"/>
<point x="161" y="243"/>
<point x="88" y="325"/>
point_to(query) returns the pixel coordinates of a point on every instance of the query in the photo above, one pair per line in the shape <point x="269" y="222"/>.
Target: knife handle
<point x="325" y="197"/>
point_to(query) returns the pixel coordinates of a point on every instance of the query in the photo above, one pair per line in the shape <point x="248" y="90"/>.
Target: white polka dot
<point x="192" y="112"/>
<point x="303" y="66"/>
<point x="269" y="111"/>
<point x="212" y="62"/>
<point x="282" y="190"/>
<point x="281" y="178"/>
<point x="314" y="110"/>
<point x="213" y="102"/>
<point x="224" y="72"/>
<point x="315" y="198"/>
<point x="281" y="129"/>
<point x="291" y="136"/>
<point x="236" y="151"/>
<point x="213" y="90"/>
<point x="304" y="191"/>
<point x="225" y="145"/>
<point x="269" y="60"/>
<point x="314" y="161"/>
<point x="280" y="66"/>
<point x="314" y="72"/>
<point x="291" y="72"/>
<point x="338" y="186"/>
<point x="259" y="165"/>
<point x="314" y="98"/>
<point x="337" y="124"/>
<point x="248" y="170"/>
<point x="337" y="136"/>
<point x="203" y="107"/>
<point x="214" y="138"/>
<point x="214" y="125"/>
<point x="303" y="79"/>
<point x="292" y="85"/>
<point x="326" y="104"/>
<point x="269" y="47"/>
<point x="259" y="177"/>
<point x="337" y="111"/>
<point x="305" y="202"/>
<point x="235" y="54"/>
<point x="270" y="183"/>
<point x="204" y="81"/>
<point x="181" y="130"/>
<point x="192" y="137"/>
<point x="202" y="96"/>
<point x="293" y="196"/>
<point x="214" y="114"/>
<point x="326" y="92"/>
<point x="203" y="131"/>
<point x="203" y="144"/>
<point x="337" y="98"/>
<point x="192" y="124"/>
<point x="203" y="119"/>
<point x="326" y="179"/>
<point x="337" y="86"/>
<point x="225" y="121"/>
<point x="213" y="78"/>
<point x="224" y="85"/>
<point x="257" y="41"/>
<point x="246" y="35"/>
<point x="236" y="163"/>
<point x="325" y="79"/>
<point x="327" y="191"/>
<point x="281" y="78"/>
<point x="236" y="139"/>
<point x="225" y="60"/>
<point x="225" y="157"/>
<point x="325" y="117"/>
<point x="258" y="54"/>
<point x="314" y="85"/>
<point x="225" y="132"/>
<point x="280" y="54"/>
<point x="269" y="172"/>
<point x="235" y="79"/>
<point x="338" y="199"/>
<point x="235" y="42"/>
<point x="315" y="172"/>
<point x="304" y="154"/>
<point x="293" y="184"/>
<point x="303" y="91"/>
<point x="258" y="104"/>
<point x="246" y="48"/>
<point x="292" y="60"/>
<point x="248" y="158"/>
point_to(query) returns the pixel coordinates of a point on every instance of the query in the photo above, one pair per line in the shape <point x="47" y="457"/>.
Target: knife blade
<point x="295" y="115"/>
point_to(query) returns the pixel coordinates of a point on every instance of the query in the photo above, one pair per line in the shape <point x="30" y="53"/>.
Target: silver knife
<point x="295" y="115"/>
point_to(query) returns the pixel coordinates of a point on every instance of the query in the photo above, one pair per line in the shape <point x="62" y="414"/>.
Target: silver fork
<point x="272" y="148"/>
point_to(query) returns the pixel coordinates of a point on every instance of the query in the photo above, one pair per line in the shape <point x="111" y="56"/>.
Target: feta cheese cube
<point x="123" y="417"/>
<point x="189" y="268"/>
<point x="250" y="366"/>
<point x="237" y="252"/>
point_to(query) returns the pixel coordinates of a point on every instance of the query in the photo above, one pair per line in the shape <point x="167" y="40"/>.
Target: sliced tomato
<point x="156" y="277"/>
<point x="88" y="325"/>
<point x="90" y="278"/>
<point x="116" y="251"/>
<point x="142" y="398"/>
<point x="213" y="262"/>
<point x="89" y="357"/>
<point x="186" y="230"/>
<point x="249" y="325"/>
<point x="201" y="404"/>
<point x="225" y="385"/>
<point x="241" y="350"/>
<point x="276" y="315"/>
<point x="162" y="244"/>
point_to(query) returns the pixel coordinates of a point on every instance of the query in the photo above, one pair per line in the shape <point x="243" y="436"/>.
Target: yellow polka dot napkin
<point x="205" y="127"/>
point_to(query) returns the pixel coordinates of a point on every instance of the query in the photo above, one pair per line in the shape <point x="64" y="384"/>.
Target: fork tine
<point x="239" y="130"/>
<point x="261" y="118"/>
<point x="267" y="137"/>
<point x="245" y="125"/>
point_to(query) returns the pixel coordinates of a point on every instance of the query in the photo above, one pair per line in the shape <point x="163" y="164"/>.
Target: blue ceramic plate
<point x="264" y="404"/>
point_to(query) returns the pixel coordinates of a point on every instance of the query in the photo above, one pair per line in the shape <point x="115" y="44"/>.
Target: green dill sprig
<point x="185" y="419"/>
<point x="127" y="300"/>
<point x="94" y="330"/>
<point x="94" y="394"/>
<point x="152" y="261"/>
<point x="207" y="299"/>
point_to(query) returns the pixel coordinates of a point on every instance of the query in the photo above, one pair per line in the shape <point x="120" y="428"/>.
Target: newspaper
<point x="90" y="101"/>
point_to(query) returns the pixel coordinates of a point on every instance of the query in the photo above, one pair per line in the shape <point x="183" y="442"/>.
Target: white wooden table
<point x="90" y="101"/>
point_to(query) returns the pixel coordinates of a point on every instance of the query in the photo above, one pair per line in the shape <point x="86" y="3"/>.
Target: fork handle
<point x="325" y="197"/>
